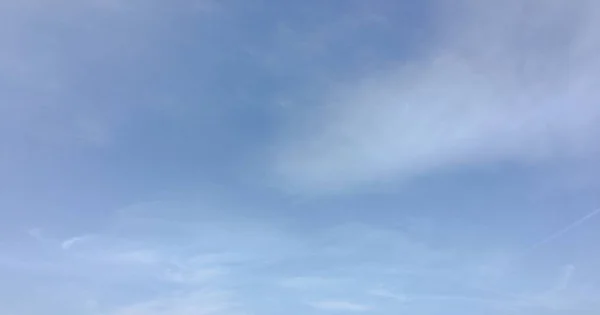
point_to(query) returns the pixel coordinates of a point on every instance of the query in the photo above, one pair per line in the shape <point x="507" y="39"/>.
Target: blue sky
<point x="311" y="157"/>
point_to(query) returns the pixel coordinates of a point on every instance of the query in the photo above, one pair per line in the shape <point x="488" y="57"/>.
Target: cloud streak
<point x="515" y="82"/>
<point x="562" y="232"/>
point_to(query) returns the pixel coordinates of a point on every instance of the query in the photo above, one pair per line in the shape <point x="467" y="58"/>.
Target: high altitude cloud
<point x="161" y="263"/>
<point x="500" y="81"/>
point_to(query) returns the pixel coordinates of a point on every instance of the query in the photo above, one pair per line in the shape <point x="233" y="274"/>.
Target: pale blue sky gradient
<point x="199" y="157"/>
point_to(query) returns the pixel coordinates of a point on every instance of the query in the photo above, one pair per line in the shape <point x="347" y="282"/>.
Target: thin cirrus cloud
<point x="515" y="81"/>
<point x="105" y="267"/>
<point x="177" y="274"/>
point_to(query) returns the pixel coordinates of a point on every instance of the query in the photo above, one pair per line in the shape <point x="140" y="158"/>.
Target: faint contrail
<point x="564" y="280"/>
<point x="568" y="228"/>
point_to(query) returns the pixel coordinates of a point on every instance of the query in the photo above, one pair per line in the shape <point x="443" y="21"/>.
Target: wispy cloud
<point x="565" y="278"/>
<point x="489" y="82"/>
<point x="68" y="243"/>
<point x="220" y="277"/>
<point x="515" y="82"/>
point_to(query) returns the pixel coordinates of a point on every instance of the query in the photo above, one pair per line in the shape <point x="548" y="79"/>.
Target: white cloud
<point x="338" y="305"/>
<point x="510" y="81"/>
<point x="68" y="243"/>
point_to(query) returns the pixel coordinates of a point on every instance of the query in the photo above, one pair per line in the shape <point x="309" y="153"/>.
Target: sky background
<point x="199" y="157"/>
